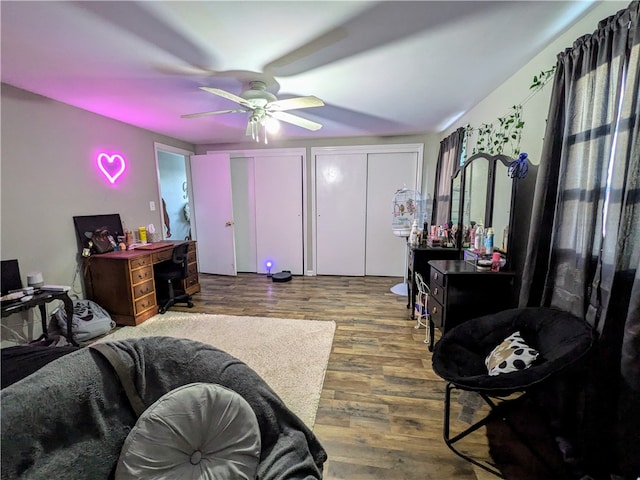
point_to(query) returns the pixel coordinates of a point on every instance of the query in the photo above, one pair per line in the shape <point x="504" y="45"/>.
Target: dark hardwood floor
<point x="380" y="415"/>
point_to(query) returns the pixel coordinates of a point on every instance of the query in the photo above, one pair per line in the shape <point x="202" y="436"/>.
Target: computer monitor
<point x="11" y="279"/>
<point x="91" y="223"/>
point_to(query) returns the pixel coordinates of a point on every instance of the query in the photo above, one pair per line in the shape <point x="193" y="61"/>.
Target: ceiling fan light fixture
<point x="272" y="125"/>
<point x="265" y="110"/>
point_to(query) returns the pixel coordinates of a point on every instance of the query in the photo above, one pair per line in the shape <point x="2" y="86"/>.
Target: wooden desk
<point x="123" y="282"/>
<point x="40" y="300"/>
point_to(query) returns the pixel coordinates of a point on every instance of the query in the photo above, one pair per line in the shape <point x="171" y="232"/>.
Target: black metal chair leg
<point x="450" y="441"/>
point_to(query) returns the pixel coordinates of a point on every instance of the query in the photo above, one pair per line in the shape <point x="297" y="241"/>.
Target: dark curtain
<point x="583" y="253"/>
<point x="448" y="161"/>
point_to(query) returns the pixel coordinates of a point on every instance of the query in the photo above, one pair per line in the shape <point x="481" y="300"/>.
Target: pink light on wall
<point x="112" y="166"/>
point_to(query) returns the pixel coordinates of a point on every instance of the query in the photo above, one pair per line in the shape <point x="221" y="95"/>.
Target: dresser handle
<point x="436" y="276"/>
<point x="435" y="291"/>
<point x="435" y="310"/>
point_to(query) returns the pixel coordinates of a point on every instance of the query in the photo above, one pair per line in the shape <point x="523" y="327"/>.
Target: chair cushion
<point x="560" y="338"/>
<point x="200" y="430"/>
<point x="511" y="355"/>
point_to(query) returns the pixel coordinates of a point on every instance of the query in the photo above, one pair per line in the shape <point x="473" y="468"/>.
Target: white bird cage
<point x="408" y="206"/>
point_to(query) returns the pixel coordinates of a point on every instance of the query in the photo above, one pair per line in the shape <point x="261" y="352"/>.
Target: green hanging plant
<point x="505" y="135"/>
<point x="542" y="78"/>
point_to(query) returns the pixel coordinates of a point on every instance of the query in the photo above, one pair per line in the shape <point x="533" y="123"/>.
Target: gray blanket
<point x="70" y="418"/>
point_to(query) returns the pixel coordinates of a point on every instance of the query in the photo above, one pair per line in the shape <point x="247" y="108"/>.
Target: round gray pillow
<point x="197" y="431"/>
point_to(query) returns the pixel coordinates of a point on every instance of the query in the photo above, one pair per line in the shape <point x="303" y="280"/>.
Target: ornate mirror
<point x="456" y="196"/>
<point x="503" y="190"/>
<point x="476" y="188"/>
<point x="486" y="198"/>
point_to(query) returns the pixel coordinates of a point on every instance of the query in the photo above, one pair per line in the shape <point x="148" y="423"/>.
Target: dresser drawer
<point x="143" y="289"/>
<point x="436" y="311"/>
<point x="145" y="303"/>
<point x="437" y="292"/>
<point x="142" y="274"/>
<point x="437" y="278"/>
<point x="191" y="256"/>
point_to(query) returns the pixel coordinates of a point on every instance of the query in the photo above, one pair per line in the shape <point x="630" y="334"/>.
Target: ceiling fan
<point x="263" y="105"/>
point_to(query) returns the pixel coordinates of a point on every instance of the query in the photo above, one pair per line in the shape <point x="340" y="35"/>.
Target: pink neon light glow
<point x="112" y="166"/>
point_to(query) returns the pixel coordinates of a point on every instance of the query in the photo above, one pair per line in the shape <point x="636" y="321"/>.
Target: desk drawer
<point x="145" y="303"/>
<point x="436" y="311"/>
<point x="191" y="256"/>
<point x="143" y="289"/>
<point x="140" y="261"/>
<point x="162" y="256"/>
<point x="192" y="269"/>
<point x="142" y="274"/>
<point x="191" y="280"/>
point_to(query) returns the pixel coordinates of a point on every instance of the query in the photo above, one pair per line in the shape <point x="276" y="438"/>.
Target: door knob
<point x="228" y="224"/>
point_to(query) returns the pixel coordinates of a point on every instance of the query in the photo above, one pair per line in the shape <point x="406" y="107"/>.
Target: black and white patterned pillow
<point x="511" y="355"/>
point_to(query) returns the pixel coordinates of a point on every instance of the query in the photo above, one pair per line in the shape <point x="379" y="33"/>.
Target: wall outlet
<point x="152" y="206"/>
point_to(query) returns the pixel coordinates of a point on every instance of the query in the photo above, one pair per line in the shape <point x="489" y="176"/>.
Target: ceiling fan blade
<point x="297" y="102"/>
<point x="227" y="95"/>
<point x="204" y="114"/>
<point x="249" y="130"/>
<point x="295" y="120"/>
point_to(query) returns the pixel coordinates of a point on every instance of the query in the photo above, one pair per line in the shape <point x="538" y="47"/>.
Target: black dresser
<point x="418" y="262"/>
<point x="460" y="292"/>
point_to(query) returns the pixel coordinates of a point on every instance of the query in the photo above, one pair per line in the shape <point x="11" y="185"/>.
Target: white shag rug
<point x="290" y="355"/>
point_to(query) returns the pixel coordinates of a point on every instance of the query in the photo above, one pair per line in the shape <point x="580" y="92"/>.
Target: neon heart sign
<point x="112" y="166"/>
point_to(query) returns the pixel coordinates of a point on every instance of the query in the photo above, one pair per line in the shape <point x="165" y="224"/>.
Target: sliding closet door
<point x="341" y="197"/>
<point x="213" y="213"/>
<point x="278" y="213"/>
<point x="386" y="173"/>
<point x="244" y="212"/>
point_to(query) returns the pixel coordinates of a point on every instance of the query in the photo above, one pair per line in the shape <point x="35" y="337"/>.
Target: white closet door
<point x="278" y="213"/>
<point x="213" y="213"/>
<point x="386" y="173"/>
<point x="341" y="204"/>
<point x="244" y="212"/>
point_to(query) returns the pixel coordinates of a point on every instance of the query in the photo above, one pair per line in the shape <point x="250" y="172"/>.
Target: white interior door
<point x="386" y="173"/>
<point x="341" y="198"/>
<point x="213" y="213"/>
<point x="278" y="213"/>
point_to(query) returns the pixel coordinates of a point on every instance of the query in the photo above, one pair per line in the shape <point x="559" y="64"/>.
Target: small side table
<point x="40" y="300"/>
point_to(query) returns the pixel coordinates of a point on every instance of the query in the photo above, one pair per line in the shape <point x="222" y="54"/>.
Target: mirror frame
<point x="489" y="205"/>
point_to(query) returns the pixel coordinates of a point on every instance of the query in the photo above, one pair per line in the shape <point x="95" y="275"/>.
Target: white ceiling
<point x="382" y="68"/>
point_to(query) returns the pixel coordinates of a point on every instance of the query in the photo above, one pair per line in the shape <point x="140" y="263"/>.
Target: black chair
<point x="167" y="272"/>
<point x="459" y="358"/>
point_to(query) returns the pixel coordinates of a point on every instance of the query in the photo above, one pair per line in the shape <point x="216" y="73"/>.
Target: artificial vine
<point x="542" y="78"/>
<point x="506" y="133"/>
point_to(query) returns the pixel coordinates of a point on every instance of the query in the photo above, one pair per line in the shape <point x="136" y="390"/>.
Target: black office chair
<point x="459" y="358"/>
<point x="174" y="269"/>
